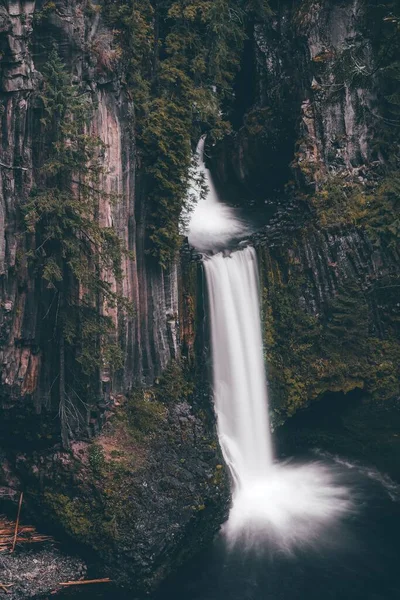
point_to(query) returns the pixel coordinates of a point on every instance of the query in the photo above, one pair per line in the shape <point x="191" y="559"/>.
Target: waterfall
<point x="238" y="368"/>
<point x="213" y="225"/>
<point x="286" y="503"/>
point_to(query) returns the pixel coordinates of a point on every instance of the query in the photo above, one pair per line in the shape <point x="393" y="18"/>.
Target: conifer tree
<point x="181" y="58"/>
<point x="73" y="253"/>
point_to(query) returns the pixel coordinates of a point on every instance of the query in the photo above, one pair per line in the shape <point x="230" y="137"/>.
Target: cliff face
<point x="313" y="148"/>
<point x="149" y="337"/>
<point x="313" y="153"/>
<point x="150" y="490"/>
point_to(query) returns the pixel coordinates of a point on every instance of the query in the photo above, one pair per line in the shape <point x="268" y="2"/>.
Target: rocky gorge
<point x="121" y="458"/>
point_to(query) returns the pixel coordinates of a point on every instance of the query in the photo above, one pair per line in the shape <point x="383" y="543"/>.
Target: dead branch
<point x="26" y="534"/>
<point x="4" y="586"/>
<point x="17" y="521"/>
<point x="11" y="167"/>
<point x="86" y="581"/>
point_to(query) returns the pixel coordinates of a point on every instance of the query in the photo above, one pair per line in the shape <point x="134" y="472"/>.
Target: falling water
<point x="286" y="503"/>
<point x="213" y="225"/>
<point x="239" y="380"/>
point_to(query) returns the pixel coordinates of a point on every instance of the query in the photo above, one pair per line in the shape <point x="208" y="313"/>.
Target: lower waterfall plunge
<point x="284" y="503"/>
<point x="287" y="503"/>
<point x="326" y="527"/>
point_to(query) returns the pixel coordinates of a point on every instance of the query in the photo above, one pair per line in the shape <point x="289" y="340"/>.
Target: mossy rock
<point x="148" y="492"/>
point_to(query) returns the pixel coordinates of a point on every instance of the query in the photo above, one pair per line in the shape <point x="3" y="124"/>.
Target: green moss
<point x="339" y="202"/>
<point x="383" y="220"/>
<point x="78" y="517"/>
<point x="110" y="473"/>
<point x="96" y="458"/>
<point x="342" y="202"/>
<point x="335" y="351"/>
<point x="174" y="384"/>
<point x="144" y="414"/>
<point x="108" y="476"/>
<point x="96" y="517"/>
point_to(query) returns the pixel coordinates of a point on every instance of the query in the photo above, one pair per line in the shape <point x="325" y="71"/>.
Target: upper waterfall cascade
<point x="284" y="502"/>
<point x="213" y="225"/>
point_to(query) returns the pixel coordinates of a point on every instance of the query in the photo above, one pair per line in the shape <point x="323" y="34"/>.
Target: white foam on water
<point x="287" y="503"/>
<point x="290" y="507"/>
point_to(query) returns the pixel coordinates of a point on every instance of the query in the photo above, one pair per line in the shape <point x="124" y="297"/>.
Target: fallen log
<point x="85" y="581"/>
<point x="13" y="533"/>
<point x="31" y="540"/>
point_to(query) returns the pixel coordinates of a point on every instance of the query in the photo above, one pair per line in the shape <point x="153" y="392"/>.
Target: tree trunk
<point x="62" y="406"/>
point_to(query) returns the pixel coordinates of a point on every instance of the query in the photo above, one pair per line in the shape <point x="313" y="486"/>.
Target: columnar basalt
<point x="165" y="466"/>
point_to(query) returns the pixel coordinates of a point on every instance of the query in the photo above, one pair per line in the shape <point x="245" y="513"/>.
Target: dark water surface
<point x="357" y="558"/>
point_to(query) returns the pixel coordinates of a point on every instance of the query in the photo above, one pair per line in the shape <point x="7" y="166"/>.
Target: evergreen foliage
<point x="75" y="256"/>
<point x="181" y="57"/>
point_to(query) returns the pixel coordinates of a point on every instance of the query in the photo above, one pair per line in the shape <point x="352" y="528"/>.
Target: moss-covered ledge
<point x="143" y="496"/>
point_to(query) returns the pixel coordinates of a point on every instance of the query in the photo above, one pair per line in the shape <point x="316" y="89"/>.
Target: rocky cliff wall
<point x="149" y="337"/>
<point x="142" y="485"/>
<point x="311" y="152"/>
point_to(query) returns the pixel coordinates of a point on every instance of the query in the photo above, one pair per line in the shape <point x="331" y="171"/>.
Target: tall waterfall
<point x="239" y="381"/>
<point x="287" y="503"/>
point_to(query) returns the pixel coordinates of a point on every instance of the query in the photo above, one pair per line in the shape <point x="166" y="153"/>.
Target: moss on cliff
<point x="372" y="206"/>
<point x="335" y="349"/>
<point x="180" y="59"/>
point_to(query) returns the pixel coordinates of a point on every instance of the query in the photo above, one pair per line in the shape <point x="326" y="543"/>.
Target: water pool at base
<point x="357" y="558"/>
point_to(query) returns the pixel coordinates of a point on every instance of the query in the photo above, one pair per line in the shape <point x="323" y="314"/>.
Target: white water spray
<point x="285" y="503"/>
<point x="213" y="225"/>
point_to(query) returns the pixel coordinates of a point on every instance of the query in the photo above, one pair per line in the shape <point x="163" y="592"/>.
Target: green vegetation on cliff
<point x="180" y="58"/>
<point x="336" y="350"/>
<point x="71" y="251"/>
<point x="148" y="483"/>
<point x="374" y="208"/>
<point x="332" y="324"/>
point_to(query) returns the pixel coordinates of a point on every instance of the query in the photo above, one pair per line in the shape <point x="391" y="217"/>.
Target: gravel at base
<point x="34" y="573"/>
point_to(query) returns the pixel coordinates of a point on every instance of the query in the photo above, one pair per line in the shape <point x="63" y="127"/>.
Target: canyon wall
<point x="149" y="338"/>
<point x="316" y="150"/>
<point x="150" y="490"/>
<point x="312" y="156"/>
